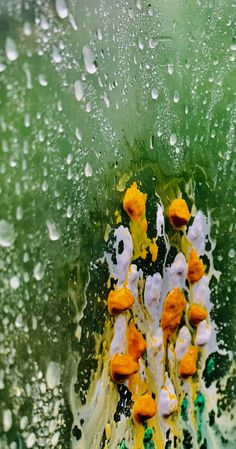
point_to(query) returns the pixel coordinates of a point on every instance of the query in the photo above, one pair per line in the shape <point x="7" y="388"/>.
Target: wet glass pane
<point x="96" y="96"/>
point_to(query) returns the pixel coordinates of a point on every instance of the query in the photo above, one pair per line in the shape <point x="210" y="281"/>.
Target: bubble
<point x="88" y="171"/>
<point x="11" y="50"/>
<point x="38" y="271"/>
<point x="61" y="9"/>
<point x="170" y="68"/>
<point x="31" y="440"/>
<point x="79" y="90"/>
<point x="89" y="60"/>
<point x="154" y="93"/>
<point x="7" y="234"/>
<point x="7" y="420"/>
<point x="42" y="80"/>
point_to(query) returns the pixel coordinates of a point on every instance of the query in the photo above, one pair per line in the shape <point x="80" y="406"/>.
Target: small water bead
<point x="53" y="375"/>
<point x="106" y="100"/>
<point x="42" y="80"/>
<point x="7" y="234"/>
<point x="11" y="49"/>
<point x="170" y="68"/>
<point x="31" y="440"/>
<point x="231" y="253"/>
<point x="38" y="271"/>
<point x="69" y="212"/>
<point x="154" y="93"/>
<point x="14" y="282"/>
<point x="7" y="420"/>
<point x="79" y="90"/>
<point x="173" y="139"/>
<point x="88" y="171"/>
<point x="56" y="55"/>
<point x="54" y="234"/>
<point x="176" y="96"/>
<point x="27" y="29"/>
<point x="61" y="9"/>
<point x="89" y="60"/>
<point x="2" y="67"/>
<point x="99" y="34"/>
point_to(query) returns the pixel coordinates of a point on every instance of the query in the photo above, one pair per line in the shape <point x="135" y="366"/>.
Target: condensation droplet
<point x="61" y="9"/>
<point x="106" y="100"/>
<point x="10" y="49"/>
<point x="79" y="90"/>
<point x="176" y="96"/>
<point x="54" y="234"/>
<point x="53" y="375"/>
<point x="89" y="60"/>
<point x="42" y="80"/>
<point x="69" y="212"/>
<point x="173" y="139"/>
<point x="38" y="271"/>
<point x="88" y="171"/>
<point x="14" y="282"/>
<point x="154" y="93"/>
<point x="27" y="30"/>
<point x="170" y="68"/>
<point x="7" y="420"/>
<point x="31" y="440"/>
<point x="231" y="253"/>
<point x="7" y="234"/>
<point x="56" y="55"/>
<point x="2" y="67"/>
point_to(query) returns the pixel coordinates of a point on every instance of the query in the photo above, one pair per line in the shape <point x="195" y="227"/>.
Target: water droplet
<point x="53" y="375"/>
<point x="61" y="9"/>
<point x="19" y="213"/>
<point x="173" y="139"/>
<point x="170" y="68"/>
<point x="152" y="43"/>
<point x="27" y="30"/>
<point x="107" y="100"/>
<point x="10" y="49"/>
<point x="42" y="80"/>
<point x="2" y="67"/>
<point x="14" y="282"/>
<point x="99" y="34"/>
<point x="78" y="134"/>
<point x="89" y="60"/>
<point x="88" y="171"/>
<point x="176" y="96"/>
<point x="233" y="47"/>
<point x="7" y="420"/>
<point x="79" y="90"/>
<point x="38" y="271"/>
<point x="231" y="253"/>
<point x="56" y="55"/>
<point x="7" y="234"/>
<point x="31" y="440"/>
<point x="154" y="93"/>
<point x="54" y="234"/>
<point x="69" y="212"/>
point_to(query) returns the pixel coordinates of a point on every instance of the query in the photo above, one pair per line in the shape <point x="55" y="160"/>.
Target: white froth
<point x="152" y="293"/>
<point x="160" y="221"/>
<point x="133" y="279"/>
<point x="201" y="293"/>
<point x="198" y="232"/>
<point x="177" y="272"/>
<point x="182" y="342"/>
<point x="203" y="334"/>
<point x="118" y="343"/>
<point x="167" y="398"/>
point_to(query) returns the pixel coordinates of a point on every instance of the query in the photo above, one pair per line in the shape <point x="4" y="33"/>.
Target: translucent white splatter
<point x="7" y="234"/>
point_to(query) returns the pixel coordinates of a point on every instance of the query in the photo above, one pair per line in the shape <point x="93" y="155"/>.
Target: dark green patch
<point x="148" y="442"/>
<point x="184" y="409"/>
<point x="187" y="441"/>
<point x="199" y="404"/>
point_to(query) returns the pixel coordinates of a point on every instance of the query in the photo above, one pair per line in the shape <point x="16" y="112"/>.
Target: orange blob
<point x="197" y="314"/>
<point x="188" y="364"/>
<point x="174" y="306"/>
<point x="144" y="408"/>
<point x="196" y="267"/>
<point x="134" y="202"/>
<point x="119" y="300"/>
<point x="179" y="213"/>
<point x="136" y="342"/>
<point x="122" y="366"/>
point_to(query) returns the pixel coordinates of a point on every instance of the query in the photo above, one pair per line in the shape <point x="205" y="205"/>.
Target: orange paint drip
<point x="174" y="306"/>
<point x="197" y="314"/>
<point x="144" y="408"/>
<point x="121" y="367"/>
<point x="136" y="342"/>
<point x="178" y="213"/>
<point x="196" y="267"/>
<point x="119" y="300"/>
<point x="188" y="364"/>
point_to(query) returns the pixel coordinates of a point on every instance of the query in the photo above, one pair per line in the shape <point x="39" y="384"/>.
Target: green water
<point x="160" y="106"/>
